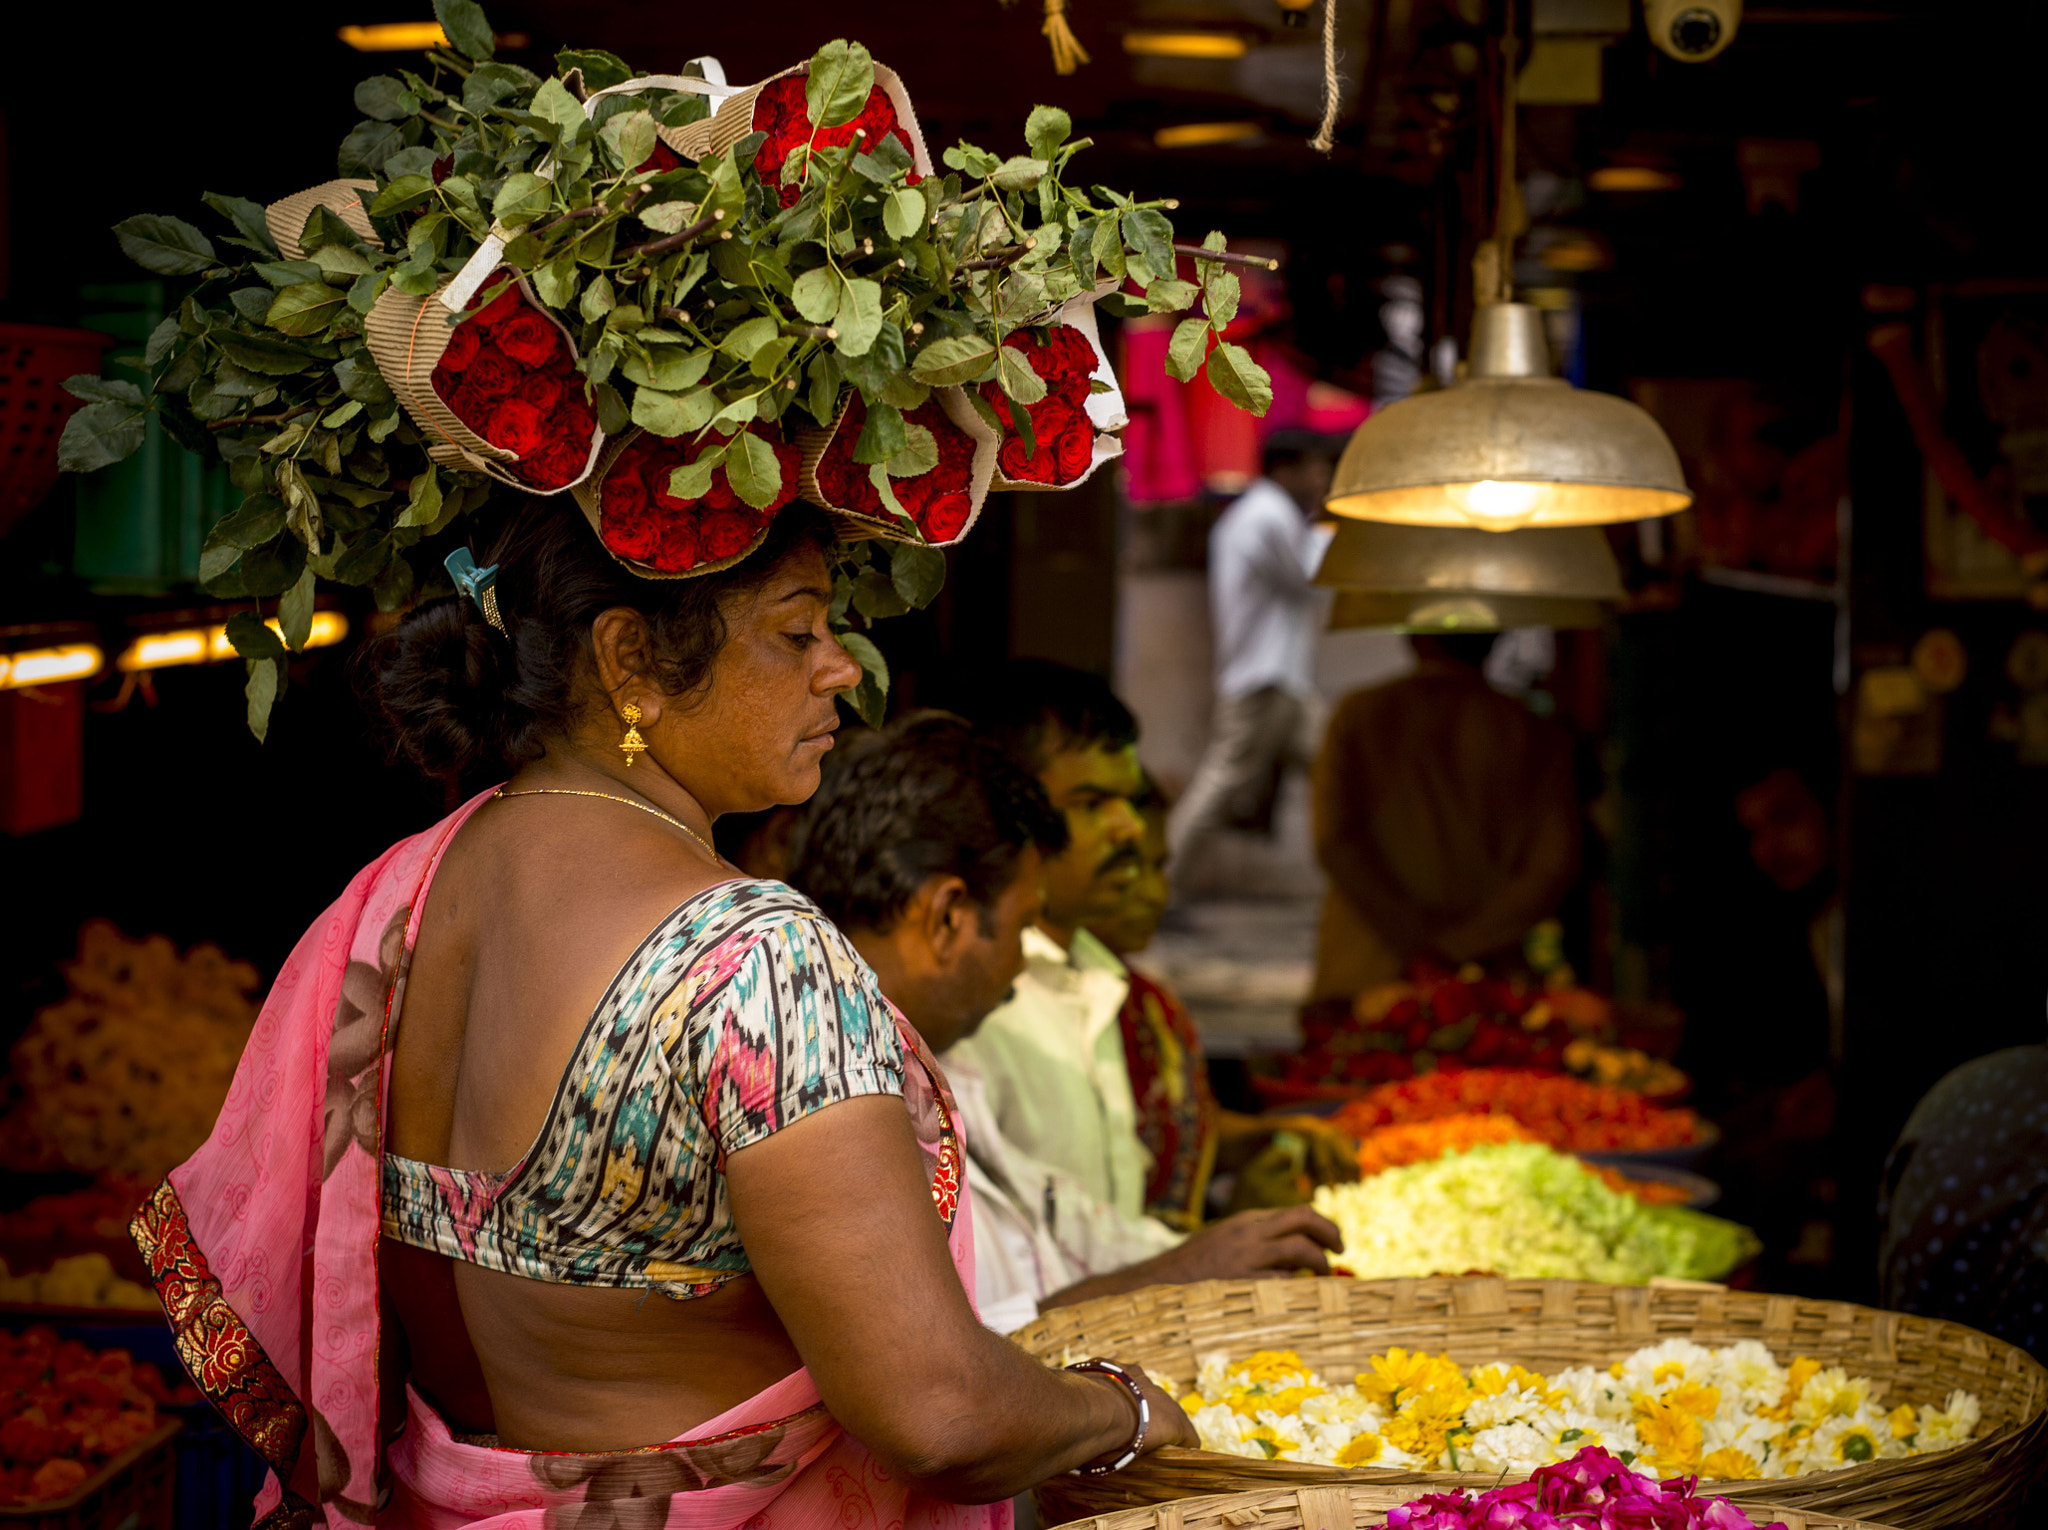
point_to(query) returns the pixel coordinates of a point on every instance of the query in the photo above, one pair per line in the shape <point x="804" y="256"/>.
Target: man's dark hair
<point x="922" y="798"/>
<point x="1284" y="447"/>
<point x="1034" y="708"/>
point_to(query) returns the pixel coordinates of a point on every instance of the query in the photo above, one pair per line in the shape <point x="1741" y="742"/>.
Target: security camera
<point x="1692" y="31"/>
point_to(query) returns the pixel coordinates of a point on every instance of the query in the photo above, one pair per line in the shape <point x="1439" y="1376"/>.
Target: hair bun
<point x="440" y="683"/>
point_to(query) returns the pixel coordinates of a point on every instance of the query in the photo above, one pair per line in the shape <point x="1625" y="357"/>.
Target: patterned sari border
<point x="215" y="1345"/>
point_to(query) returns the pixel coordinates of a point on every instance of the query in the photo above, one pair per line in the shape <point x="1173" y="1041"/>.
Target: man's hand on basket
<point x="1252" y="1243"/>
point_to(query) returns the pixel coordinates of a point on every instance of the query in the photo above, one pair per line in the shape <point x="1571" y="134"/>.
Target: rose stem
<point x="1014" y="253"/>
<point x="676" y="240"/>
<point x="592" y="211"/>
<point x="263" y="419"/>
<point x="1226" y="257"/>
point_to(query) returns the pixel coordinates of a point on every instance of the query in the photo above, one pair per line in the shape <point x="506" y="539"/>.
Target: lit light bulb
<point x="1496" y="506"/>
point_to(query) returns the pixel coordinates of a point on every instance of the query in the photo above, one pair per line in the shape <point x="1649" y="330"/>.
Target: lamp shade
<point x="1455" y="579"/>
<point x="1509" y="446"/>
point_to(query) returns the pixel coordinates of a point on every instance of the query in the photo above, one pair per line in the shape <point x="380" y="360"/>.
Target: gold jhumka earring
<point x="632" y="745"/>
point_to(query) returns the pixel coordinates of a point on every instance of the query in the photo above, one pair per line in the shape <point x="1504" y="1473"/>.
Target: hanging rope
<point x="1333" y="87"/>
<point x="1067" y="52"/>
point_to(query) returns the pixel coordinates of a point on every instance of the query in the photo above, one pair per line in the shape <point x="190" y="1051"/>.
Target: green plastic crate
<point x="142" y="522"/>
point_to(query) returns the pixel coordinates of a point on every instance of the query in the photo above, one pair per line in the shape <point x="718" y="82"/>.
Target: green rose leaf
<point x="630" y="136"/>
<point x="918" y="573"/>
<point x="262" y="694"/>
<point x="1185" y="351"/>
<point x="816" y="294"/>
<point x="553" y="104"/>
<point x="601" y="70"/>
<point x="837" y="86"/>
<point x="1147" y="231"/>
<point x="341" y="260"/>
<point x="1046" y="129"/>
<point x="753" y="471"/>
<point x="597" y="300"/>
<point x="363" y="563"/>
<point x="488" y="84"/>
<point x="261" y="353"/>
<point x="253" y="637"/>
<point x="366" y="148"/>
<point x="1109" y="247"/>
<point x="360" y="379"/>
<point x="1219" y="285"/>
<point x="555" y="283"/>
<point x="1018" y="381"/>
<point x="167" y="246"/>
<point x="673" y="414"/>
<point x="919" y="454"/>
<point x="283" y="273"/>
<point x="903" y="214"/>
<point x="749" y="337"/>
<point x="246" y="216"/>
<point x="385" y="98"/>
<point x="259" y="518"/>
<point x="1234" y="374"/>
<point x="859" y="319"/>
<point x="870" y="698"/>
<point x="693" y="479"/>
<point x="957" y="359"/>
<point x="306" y="309"/>
<point x="161" y="339"/>
<point x="883" y="436"/>
<point x="1168" y="296"/>
<point x="423" y="502"/>
<point x="463" y="21"/>
<point x="1019" y="173"/>
<point x="100" y="435"/>
<point x="402" y="195"/>
<point x="670" y="368"/>
<point x="103" y="390"/>
<point x="394" y="586"/>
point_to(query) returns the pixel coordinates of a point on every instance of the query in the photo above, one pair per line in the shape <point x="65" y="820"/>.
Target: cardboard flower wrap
<point x="734" y="119"/>
<point x="286" y="219"/>
<point x="618" y="457"/>
<point x="1105" y="412"/>
<point x="855" y="525"/>
<point x="408" y="337"/>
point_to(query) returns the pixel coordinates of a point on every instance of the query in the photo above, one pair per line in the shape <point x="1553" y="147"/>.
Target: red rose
<point x="500" y="303"/>
<point x="624" y="522"/>
<point x="492" y="374"/>
<point x="572" y="420"/>
<point x="911" y="493"/>
<point x="515" y="426"/>
<point x="1068" y="354"/>
<point x="1074" y="451"/>
<point x="544" y="391"/>
<point x="1015" y="465"/>
<point x="721" y="496"/>
<point x="463" y="341"/>
<point x="529" y="339"/>
<point x="945" y="517"/>
<point x="723" y="533"/>
<point x="679" y="548"/>
<point x="557" y="464"/>
<point x="1052" y="416"/>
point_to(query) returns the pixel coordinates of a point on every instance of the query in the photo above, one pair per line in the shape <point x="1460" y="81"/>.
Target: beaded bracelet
<point x="1111" y="1369"/>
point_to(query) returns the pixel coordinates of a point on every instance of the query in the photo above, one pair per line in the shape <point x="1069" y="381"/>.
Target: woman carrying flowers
<point x="671" y="1201"/>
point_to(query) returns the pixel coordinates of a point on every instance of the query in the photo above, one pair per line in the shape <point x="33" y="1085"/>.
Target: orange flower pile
<point x="1420" y="1141"/>
<point x="1569" y="1115"/>
<point x="64" y="1410"/>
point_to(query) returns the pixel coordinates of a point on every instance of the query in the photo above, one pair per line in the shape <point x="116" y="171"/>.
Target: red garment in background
<point x="1176" y="1110"/>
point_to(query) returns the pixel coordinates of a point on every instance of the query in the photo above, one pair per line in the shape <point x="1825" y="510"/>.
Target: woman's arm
<point x="836" y="1215"/>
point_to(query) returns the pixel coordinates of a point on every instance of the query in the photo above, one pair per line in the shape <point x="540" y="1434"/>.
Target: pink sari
<point x="264" y="1249"/>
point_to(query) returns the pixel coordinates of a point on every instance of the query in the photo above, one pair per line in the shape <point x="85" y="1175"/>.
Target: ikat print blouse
<point x="743" y="1011"/>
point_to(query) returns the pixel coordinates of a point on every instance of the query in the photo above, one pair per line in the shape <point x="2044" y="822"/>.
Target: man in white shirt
<point x="928" y="847"/>
<point x="1263" y="553"/>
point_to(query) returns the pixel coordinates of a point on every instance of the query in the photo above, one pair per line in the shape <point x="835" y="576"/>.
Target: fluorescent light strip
<point x="48" y="666"/>
<point x="1222" y="45"/>
<point x="1195" y="135"/>
<point x="205" y="645"/>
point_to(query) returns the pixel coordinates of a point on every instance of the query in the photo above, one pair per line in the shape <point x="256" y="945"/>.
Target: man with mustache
<point x="926" y="846"/>
<point x="1051" y="1057"/>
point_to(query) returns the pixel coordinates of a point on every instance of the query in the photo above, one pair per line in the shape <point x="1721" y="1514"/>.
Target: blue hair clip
<point x="479" y="584"/>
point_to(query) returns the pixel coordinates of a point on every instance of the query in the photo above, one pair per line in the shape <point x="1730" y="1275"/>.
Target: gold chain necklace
<point x="562" y="791"/>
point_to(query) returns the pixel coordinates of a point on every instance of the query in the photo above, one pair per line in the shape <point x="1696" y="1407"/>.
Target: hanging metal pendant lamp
<point x="1508" y="445"/>
<point x="1439" y="579"/>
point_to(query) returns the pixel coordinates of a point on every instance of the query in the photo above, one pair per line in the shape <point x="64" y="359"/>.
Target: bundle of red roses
<point x="780" y="112"/>
<point x="509" y="375"/>
<point x="939" y="500"/>
<point x="1065" y="436"/>
<point x="640" y="519"/>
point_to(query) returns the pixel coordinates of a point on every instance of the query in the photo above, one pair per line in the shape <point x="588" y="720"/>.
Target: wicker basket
<point x="1549" y="1325"/>
<point x="1354" y="1508"/>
